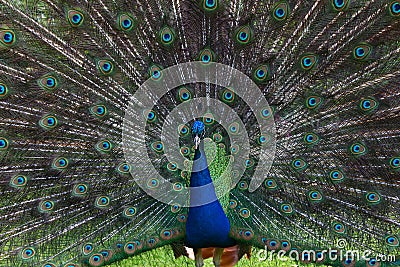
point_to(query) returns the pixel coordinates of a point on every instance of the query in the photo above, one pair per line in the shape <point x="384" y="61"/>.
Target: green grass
<point x="164" y="257"/>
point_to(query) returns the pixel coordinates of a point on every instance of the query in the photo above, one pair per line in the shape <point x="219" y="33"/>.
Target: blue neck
<point x="207" y="224"/>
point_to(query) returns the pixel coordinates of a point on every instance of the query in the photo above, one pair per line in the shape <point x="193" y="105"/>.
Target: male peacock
<point x="72" y="95"/>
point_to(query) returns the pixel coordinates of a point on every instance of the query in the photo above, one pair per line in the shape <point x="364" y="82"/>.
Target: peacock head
<point x="198" y="132"/>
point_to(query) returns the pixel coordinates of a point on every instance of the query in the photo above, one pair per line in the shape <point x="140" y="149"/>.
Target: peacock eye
<point x="7" y="37"/>
<point x="394" y="8"/>
<point x="126" y="22"/>
<point x="75" y="18"/>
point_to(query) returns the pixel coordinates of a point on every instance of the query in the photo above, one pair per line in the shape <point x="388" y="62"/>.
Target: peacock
<point x="212" y="125"/>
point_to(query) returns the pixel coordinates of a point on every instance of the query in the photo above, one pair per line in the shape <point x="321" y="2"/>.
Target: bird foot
<point x="217" y="256"/>
<point x="198" y="257"/>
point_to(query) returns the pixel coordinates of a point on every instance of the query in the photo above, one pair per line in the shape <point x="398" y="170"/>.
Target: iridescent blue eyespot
<point x="167" y="36"/>
<point x="3" y="90"/>
<point x="79" y="190"/>
<point x="308" y="61"/>
<point x="3" y="143"/>
<point x="48" y="82"/>
<point x="394" y="8"/>
<point x="7" y="37"/>
<point x="27" y="253"/>
<point x="244" y="35"/>
<point x="358" y="149"/>
<point x="373" y="198"/>
<point x="104" y="146"/>
<point x="280" y="10"/>
<point x="362" y="51"/>
<point x="340" y="5"/>
<point x="392" y="241"/>
<point x="395" y="162"/>
<point x="105" y="66"/>
<point x="102" y="201"/>
<point x="126" y="22"/>
<point x="75" y="18"/>
<point x="46" y="206"/>
<point x="339" y="228"/>
<point x="60" y="163"/>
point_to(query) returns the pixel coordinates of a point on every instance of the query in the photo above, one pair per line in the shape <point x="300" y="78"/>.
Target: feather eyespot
<point x="177" y="186"/>
<point x="184" y="94"/>
<point x="167" y="36"/>
<point x="153" y="183"/>
<point x="4" y="143"/>
<point x="150" y="115"/>
<point x="181" y="218"/>
<point x="183" y="130"/>
<point x="280" y="11"/>
<point x="7" y="37"/>
<point x="249" y="163"/>
<point x="172" y="166"/>
<point x="46" y="206"/>
<point x="208" y="119"/>
<point x="339" y="228"/>
<point x="358" y="149"/>
<point x="27" y="253"/>
<point x="3" y="90"/>
<point x="124" y="168"/>
<point x="48" y="122"/>
<point x="373" y="263"/>
<point x="243" y="185"/>
<point x="98" y="111"/>
<point x="234" y="128"/>
<point x="210" y="6"/>
<point x="217" y="137"/>
<point x="175" y="208"/>
<point x="245" y="213"/>
<point x="308" y="61"/>
<point x="105" y="67"/>
<point x="311" y="139"/>
<point x="315" y="196"/>
<point x="80" y="190"/>
<point x="270" y="184"/>
<point x="102" y="202"/>
<point x="75" y="17"/>
<point x="368" y="104"/>
<point x="48" y="82"/>
<point x="340" y="5"/>
<point x="362" y="51"/>
<point x="18" y="181"/>
<point x="126" y="22"/>
<point x="104" y="146"/>
<point x="87" y="249"/>
<point x="228" y="96"/>
<point x="394" y="8"/>
<point x="232" y="204"/>
<point x="395" y="162"/>
<point x="392" y="241"/>
<point x="261" y="74"/>
<point x="96" y="260"/>
<point x="299" y="164"/>
<point x="130" y="248"/>
<point x="206" y="56"/>
<point x="336" y="176"/>
<point x="313" y="102"/>
<point x="129" y="212"/>
<point x="155" y="72"/>
<point x="272" y="244"/>
<point x="286" y="209"/>
<point x="157" y="146"/>
<point x="286" y="245"/>
<point x="48" y="264"/>
<point x="373" y="198"/>
<point x="244" y="35"/>
<point x="60" y="163"/>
